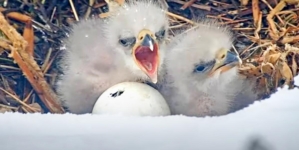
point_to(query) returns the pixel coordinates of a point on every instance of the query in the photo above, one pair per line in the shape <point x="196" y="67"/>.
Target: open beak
<point x="146" y="54"/>
<point x="225" y="61"/>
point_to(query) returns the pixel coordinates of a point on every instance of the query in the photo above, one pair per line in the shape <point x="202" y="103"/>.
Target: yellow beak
<point x="225" y="60"/>
<point x="146" y="54"/>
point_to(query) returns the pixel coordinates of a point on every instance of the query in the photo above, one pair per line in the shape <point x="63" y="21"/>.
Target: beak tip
<point x="231" y="58"/>
<point x="154" y="79"/>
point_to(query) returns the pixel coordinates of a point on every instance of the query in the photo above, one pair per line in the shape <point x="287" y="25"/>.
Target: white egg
<point x="132" y="99"/>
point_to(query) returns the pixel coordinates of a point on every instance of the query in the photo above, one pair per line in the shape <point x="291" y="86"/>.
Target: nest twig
<point x="29" y="67"/>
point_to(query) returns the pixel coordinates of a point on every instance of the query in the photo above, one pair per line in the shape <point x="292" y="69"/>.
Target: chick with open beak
<point x="224" y="61"/>
<point x="146" y="54"/>
<point x="127" y="46"/>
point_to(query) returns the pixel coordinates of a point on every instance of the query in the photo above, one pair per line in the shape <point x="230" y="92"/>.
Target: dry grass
<point x="31" y="31"/>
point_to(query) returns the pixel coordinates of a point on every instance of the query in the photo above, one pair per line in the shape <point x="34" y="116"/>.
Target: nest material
<point x="276" y="67"/>
<point x="267" y="37"/>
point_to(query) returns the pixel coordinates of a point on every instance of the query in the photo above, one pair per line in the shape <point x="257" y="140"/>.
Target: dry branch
<point x="29" y="67"/>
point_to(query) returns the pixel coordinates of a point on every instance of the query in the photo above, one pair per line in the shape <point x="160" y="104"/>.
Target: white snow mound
<point x="271" y="124"/>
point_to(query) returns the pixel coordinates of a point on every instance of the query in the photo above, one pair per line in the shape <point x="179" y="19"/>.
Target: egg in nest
<point x="131" y="99"/>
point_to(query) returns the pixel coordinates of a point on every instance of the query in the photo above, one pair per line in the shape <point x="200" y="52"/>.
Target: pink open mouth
<point x="147" y="58"/>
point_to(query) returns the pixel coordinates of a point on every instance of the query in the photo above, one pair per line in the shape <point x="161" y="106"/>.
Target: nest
<point x="267" y="41"/>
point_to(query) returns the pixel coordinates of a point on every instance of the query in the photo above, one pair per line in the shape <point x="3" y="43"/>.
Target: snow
<point x="272" y="124"/>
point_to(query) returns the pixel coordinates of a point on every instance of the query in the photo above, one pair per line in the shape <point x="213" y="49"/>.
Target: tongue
<point x="148" y="66"/>
<point x="146" y="57"/>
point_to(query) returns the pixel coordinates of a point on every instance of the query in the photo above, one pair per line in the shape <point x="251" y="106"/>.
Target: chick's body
<point x="99" y="53"/>
<point x="196" y="84"/>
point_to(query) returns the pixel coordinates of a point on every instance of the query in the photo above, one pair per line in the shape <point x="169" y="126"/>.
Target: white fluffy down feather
<point x="99" y="53"/>
<point x="194" y="82"/>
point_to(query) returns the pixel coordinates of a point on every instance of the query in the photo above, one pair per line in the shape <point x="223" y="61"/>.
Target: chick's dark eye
<point x="160" y="34"/>
<point x="127" y="41"/>
<point x="202" y="67"/>
<point x="199" y="68"/>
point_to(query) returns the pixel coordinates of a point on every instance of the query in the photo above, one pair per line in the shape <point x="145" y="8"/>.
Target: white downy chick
<point x="201" y="76"/>
<point x="128" y="46"/>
